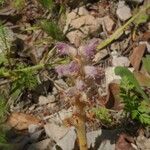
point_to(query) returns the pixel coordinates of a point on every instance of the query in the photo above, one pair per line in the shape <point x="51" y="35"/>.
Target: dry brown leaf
<point x="143" y="79"/>
<point x="124" y="142"/>
<point x="21" y="121"/>
<point x="136" y="56"/>
<point x="113" y="99"/>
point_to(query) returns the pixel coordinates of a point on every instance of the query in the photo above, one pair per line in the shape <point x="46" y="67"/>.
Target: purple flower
<point x="90" y="71"/>
<point x="69" y="69"/>
<point x="89" y="49"/>
<point x="80" y="85"/>
<point x="62" y="48"/>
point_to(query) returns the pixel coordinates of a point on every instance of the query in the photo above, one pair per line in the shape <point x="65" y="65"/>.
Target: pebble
<point x="32" y="128"/>
<point x="55" y="131"/>
<point x="123" y="11"/>
<point x="108" y="23"/>
<point x="119" y="60"/>
<point x="51" y="98"/>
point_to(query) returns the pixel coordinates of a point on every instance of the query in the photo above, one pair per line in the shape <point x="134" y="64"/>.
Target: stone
<point x="80" y="25"/>
<point x="110" y="75"/>
<point x="51" y="105"/>
<point x="42" y="145"/>
<point x="108" y="23"/>
<point x="119" y="60"/>
<point x="51" y="98"/>
<point x="123" y="11"/>
<point x="68" y="141"/>
<point x="58" y="117"/>
<point x="100" y="55"/>
<point x="75" y="37"/>
<point x="97" y="140"/>
<point x="143" y="143"/>
<point x="43" y="100"/>
<point x="32" y="128"/>
<point x="54" y="131"/>
<point x="31" y="108"/>
<point x="81" y="11"/>
<point x="105" y="139"/>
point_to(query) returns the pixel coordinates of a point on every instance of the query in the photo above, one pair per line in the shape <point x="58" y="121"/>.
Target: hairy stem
<point x="80" y="125"/>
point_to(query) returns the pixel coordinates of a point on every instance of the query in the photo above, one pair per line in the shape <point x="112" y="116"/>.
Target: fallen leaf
<point x="143" y="79"/>
<point x="113" y="99"/>
<point x="145" y="36"/>
<point x="124" y="142"/>
<point x="21" y="121"/>
<point x="136" y="56"/>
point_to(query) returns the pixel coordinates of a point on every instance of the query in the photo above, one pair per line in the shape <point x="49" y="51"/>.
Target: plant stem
<point x="81" y="126"/>
<point x="121" y="29"/>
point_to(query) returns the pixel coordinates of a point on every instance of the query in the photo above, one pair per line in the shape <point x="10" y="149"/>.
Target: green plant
<point x="133" y="98"/>
<point x="103" y="115"/>
<point x="47" y="3"/>
<point x="52" y="29"/>
<point x="2" y="2"/>
<point x="125" y="72"/>
<point x="3" y="109"/>
<point x="19" y="4"/>
<point x="146" y="62"/>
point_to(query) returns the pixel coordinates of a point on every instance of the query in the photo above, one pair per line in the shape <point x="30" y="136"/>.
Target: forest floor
<point x="35" y="113"/>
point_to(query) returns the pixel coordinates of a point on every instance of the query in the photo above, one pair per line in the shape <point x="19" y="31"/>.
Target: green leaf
<point x="146" y="63"/>
<point x="144" y="107"/>
<point x="3" y="108"/>
<point x="103" y="114"/>
<point x="134" y="114"/>
<point x="125" y="72"/>
<point x="19" y="4"/>
<point x="145" y="119"/>
<point x="52" y="29"/>
<point x="47" y="3"/>
<point x="142" y="18"/>
<point x="143" y="79"/>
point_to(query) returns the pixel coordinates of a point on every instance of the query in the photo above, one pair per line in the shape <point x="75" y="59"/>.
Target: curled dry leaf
<point x="124" y="142"/>
<point x="136" y="56"/>
<point x="113" y="99"/>
<point x="21" y="121"/>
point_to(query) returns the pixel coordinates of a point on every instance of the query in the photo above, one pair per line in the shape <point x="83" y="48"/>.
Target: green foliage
<point x="25" y="79"/>
<point x="146" y="63"/>
<point x="142" y="18"/>
<point x="47" y="3"/>
<point x="2" y="2"/>
<point x="52" y="29"/>
<point x="103" y="114"/>
<point x="4" y="145"/>
<point x="3" y="109"/>
<point x="19" y="4"/>
<point x="125" y="72"/>
<point x="134" y="104"/>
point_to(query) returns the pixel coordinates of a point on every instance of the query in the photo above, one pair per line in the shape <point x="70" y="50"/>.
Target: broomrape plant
<point x="84" y="85"/>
